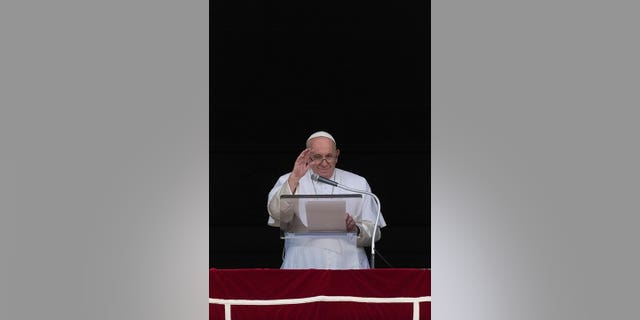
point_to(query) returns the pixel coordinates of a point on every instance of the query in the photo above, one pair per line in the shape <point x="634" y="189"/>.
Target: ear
<point x="337" y="154"/>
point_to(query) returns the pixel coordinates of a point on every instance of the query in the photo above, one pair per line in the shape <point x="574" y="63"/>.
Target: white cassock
<point x="330" y="252"/>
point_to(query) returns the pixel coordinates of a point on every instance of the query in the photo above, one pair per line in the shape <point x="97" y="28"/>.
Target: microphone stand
<point x="316" y="177"/>
<point x="375" y="226"/>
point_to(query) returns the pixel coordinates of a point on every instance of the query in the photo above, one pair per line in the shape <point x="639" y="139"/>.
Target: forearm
<point x="278" y="210"/>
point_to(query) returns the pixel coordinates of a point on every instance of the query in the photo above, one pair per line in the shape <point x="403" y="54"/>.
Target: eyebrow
<point x="318" y="154"/>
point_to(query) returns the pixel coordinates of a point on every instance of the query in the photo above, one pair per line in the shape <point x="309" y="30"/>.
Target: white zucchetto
<point x="321" y="134"/>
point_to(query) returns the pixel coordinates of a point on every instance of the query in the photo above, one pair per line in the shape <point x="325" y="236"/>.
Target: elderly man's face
<point x="323" y="156"/>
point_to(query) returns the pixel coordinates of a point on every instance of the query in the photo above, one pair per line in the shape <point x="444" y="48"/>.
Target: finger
<point x="300" y="156"/>
<point x="303" y="157"/>
<point x="349" y="222"/>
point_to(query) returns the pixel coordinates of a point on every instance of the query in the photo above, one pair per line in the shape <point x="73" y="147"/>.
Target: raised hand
<point x="300" y="167"/>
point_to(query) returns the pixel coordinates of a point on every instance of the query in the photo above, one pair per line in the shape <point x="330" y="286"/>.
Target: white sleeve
<point x="277" y="216"/>
<point x="369" y="215"/>
<point x="366" y="231"/>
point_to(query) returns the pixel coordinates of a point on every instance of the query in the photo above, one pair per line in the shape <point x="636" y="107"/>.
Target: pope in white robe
<point x="320" y="157"/>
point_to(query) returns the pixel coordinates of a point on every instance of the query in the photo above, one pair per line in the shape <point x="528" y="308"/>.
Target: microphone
<point x="317" y="178"/>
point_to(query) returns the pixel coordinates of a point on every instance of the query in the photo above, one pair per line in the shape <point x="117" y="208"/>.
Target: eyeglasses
<point x="319" y="158"/>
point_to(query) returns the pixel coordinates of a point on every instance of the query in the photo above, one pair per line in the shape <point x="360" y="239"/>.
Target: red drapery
<point x="320" y="294"/>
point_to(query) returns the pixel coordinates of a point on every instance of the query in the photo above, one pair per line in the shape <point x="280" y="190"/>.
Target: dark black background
<point x="283" y="70"/>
